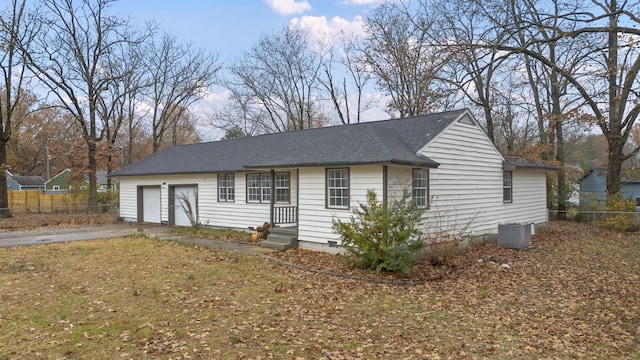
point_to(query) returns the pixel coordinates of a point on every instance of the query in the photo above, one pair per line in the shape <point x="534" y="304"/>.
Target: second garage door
<point x="184" y="195"/>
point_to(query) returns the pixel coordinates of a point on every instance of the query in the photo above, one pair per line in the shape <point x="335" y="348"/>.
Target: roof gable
<point x="467" y="119"/>
<point x="389" y="141"/>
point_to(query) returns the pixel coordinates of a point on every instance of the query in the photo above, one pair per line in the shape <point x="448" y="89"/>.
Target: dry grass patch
<point x="576" y="294"/>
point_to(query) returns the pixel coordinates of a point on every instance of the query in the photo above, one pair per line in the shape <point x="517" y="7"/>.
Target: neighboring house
<point x="306" y="179"/>
<point x="593" y="188"/>
<point x="63" y="182"/>
<point x="17" y="182"/>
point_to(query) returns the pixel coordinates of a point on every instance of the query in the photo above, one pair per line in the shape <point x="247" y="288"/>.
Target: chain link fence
<point x="617" y="220"/>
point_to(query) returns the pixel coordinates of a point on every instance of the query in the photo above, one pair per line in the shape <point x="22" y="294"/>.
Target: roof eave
<point x="510" y="166"/>
<point x="427" y="164"/>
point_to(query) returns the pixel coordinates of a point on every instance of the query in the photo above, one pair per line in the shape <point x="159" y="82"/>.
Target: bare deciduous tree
<point x="350" y="60"/>
<point x="403" y="60"/>
<point x="72" y="56"/>
<point x="606" y="79"/>
<point x="15" y="29"/>
<point x="276" y="82"/>
<point x="178" y="76"/>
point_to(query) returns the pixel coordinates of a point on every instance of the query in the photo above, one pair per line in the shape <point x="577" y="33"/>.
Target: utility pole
<point x="48" y="175"/>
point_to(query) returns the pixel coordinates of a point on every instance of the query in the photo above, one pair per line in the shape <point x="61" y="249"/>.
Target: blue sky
<point x="229" y="27"/>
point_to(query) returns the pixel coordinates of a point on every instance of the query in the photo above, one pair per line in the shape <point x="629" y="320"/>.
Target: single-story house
<point x="593" y="188"/>
<point x="17" y="182"/>
<point x="306" y="179"/>
<point x="63" y="182"/>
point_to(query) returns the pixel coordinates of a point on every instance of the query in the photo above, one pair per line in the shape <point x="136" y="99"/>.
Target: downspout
<point x="272" y="203"/>
<point x="297" y="202"/>
<point x="384" y="185"/>
<point x="384" y="196"/>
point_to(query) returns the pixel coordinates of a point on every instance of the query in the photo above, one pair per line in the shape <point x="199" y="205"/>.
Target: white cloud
<point x="288" y="7"/>
<point x="362" y="2"/>
<point x="320" y="28"/>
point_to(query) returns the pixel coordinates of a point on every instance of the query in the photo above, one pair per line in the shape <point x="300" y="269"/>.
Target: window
<point x="226" y="188"/>
<point x="259" y="187"/>
<point x="253" y="188"/>
<point x="507" y="186"/>
<point x="282" y="188"/>
<point x="420" y="187"/>
<point x="338" y="188"/>
<point x="637" y="201"/>
<point x="56" y="187"/>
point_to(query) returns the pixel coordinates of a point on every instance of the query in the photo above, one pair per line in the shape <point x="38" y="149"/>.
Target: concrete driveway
<point x="49" y="236"/>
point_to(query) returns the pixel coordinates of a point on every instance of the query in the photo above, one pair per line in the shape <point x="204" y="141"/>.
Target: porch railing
<point x="285" y="215"/>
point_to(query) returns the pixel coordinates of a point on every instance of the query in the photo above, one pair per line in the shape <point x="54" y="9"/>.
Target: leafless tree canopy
<point x="178" y="76"/>
<point x="275" y="83"/>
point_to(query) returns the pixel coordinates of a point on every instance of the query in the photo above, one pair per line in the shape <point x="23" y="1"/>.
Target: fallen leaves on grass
<point x="575" y="294"/>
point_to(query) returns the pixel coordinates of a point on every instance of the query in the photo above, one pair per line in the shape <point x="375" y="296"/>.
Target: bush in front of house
<point x="383" y="237"/>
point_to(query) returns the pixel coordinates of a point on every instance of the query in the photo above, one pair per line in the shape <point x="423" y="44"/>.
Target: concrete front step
<point x="280" y="241"/>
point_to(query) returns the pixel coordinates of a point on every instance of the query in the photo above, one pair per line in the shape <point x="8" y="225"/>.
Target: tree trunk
<point x="562" y="188"/>
<point x="490" y="127"/>
<point x="93" y="189"/>
<point x="4" y="194"/>
<point x="614" y="167"/>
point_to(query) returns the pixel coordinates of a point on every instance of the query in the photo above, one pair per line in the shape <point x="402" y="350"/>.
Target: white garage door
<point x="181" y="193"/>
<point x="151" y="204"/>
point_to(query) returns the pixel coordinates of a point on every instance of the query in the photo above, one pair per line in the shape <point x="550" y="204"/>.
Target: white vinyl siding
<point x="466" y="188"/>
<point x="315" y="219"/>
<point x="529" y="203"/>
<point x="237" y="215"/>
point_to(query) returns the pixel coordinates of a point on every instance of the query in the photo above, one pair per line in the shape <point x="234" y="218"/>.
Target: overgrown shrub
<point x="623" y="217"/>
<point x="444" y="233"/>
<point x="107" y="200"/>
<point x="442" y="248"/>
<point x="380" y="237"/>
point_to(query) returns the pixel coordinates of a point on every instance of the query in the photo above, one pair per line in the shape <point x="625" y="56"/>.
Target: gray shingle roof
<point x="29" y="180"/>
<point x="394" y="141"/>
<point x="519" y="163"/>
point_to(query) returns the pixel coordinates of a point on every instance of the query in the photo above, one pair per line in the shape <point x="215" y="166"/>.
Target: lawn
<point x="575" y="294"/>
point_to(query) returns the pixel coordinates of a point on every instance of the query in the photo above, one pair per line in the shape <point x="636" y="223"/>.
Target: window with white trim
<point x="283" y="186"/>
<point x="337" y="183"/>
<point x="226" y="188"/>
<point x="259" y="188"/>
<point x="507" y="186"/>
<point x="420" y="187"/>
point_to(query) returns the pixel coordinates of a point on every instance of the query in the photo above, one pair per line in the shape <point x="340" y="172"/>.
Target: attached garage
<point x="182" y="200"/>
<point x="149" y="204"/>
